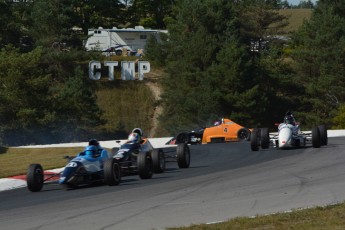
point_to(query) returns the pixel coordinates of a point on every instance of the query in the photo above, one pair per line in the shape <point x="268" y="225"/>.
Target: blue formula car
<point x="92" y="166"/>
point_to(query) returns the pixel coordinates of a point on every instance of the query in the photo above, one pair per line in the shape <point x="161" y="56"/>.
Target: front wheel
<point x="265" y="138"/>
<point x="35" y="177"/>
<point x="183" y="156"/>
<point x="145" y="166"/>
<point x="315" y="137"/>
<point x="323" y="134"/>
<point x="112" y="172"/>
<point x="158" y="160"/>
<point x="254" y="140"/>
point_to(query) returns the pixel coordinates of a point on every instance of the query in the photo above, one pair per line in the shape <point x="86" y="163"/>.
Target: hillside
<point x="130" y="104"/>
<point x="296" y="18"/>
<point x="127" y="105"/>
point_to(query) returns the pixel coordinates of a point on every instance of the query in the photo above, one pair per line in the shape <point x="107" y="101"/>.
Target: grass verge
<point x="326" y="218"/>
<point x="15" y="161"/>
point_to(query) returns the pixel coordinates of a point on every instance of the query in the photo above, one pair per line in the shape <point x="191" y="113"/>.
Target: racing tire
<point x="315" y="137"/>
<point x="183" y="155"/>
<point x="265" y="138"/>
<point x="145" y="166"/>
<point x="254" y="140"/>
<point x="243" y="134"/>
<point x="158" y="161"/>
<point x="112" y="172"/>
<point x="35" y="177"/>
<point x="182" y="138"/>
<point x="323" y="134"/>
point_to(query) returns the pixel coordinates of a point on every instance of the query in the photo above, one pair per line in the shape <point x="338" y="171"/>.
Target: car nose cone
<point x="284" y="137"/>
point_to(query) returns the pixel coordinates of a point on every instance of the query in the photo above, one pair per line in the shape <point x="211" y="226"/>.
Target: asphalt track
<point x="224" y="181"/>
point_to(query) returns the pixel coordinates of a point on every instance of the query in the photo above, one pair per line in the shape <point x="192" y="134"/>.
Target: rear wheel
<point x="158" y="160"/>
<point x="323" y="134"/>
<point x="243" y="134"/>
<point x="35" y="177"/>
<point x="265" y="138"/>
<point x="145" y="166"/>
<point x="315" y="137"/>
<point x="183" y="156"/>
<point x="254" y="140"/>
<point x="112" y="172"/>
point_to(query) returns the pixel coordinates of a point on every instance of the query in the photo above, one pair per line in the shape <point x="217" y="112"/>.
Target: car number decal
<point x="225" y="130"/>
<point x="71" y="164"/>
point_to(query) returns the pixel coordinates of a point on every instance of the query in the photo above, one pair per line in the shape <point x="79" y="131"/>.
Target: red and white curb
<point x="20" y="180"/>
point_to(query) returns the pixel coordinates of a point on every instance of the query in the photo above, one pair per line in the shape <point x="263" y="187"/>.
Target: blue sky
<point x="296" y="2"/>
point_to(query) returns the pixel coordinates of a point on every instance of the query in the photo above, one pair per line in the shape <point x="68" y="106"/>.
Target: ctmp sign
<point x="127" y="69"/>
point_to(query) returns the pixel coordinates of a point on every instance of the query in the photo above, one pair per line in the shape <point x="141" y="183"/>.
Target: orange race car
<point x="223" y="131"/>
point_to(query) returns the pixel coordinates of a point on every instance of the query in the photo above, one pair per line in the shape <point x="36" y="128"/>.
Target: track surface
<point x="224" y="181"/>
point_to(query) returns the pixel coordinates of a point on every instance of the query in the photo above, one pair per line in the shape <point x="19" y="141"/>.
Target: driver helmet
<point x="134" y="138"/>
<point x="94" y="142"/>
<point x="91" y="151"/>
<point x="288" y="119"/>
<point x="138" y="131"/>
<point x="216" y="123"/>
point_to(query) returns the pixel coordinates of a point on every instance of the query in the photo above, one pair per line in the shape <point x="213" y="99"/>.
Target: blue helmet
<point x="91" y="151"/>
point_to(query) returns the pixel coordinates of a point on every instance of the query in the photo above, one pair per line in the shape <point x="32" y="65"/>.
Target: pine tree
<point x="319" y="53"/>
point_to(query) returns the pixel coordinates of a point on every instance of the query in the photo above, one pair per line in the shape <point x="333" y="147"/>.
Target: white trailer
<point x="114" y="41"/>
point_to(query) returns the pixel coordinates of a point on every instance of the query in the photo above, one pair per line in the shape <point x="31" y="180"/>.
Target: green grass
<point x="125" y="105"/>
<point x="320" y="218"/>
<point x="296" y="18"/>
<point x="15" y="161"/>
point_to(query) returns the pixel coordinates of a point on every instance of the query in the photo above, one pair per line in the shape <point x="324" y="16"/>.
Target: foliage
<point x="125" y="105"/>
<point x="319" y="54"/>
<point x="339" y="118"/>
<point x="150" y="14"/>
<point x="212" y="69"/>
<point x="221" y="58"/>
<point x="43" y="103"/>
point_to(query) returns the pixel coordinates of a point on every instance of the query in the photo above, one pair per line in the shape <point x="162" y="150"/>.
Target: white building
<point x="114" y="41"/>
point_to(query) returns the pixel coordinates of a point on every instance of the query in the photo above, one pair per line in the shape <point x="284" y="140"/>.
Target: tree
<point x="319" y="55"/>
<point x="24" y="94"/>
<point x="150" y="14"/>
<point x="13" y="27"/>
<point x="212" y="68"/>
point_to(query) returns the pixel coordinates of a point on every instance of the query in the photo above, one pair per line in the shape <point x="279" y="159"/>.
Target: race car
<point x="288" y="136"/>
<point x="225" y="130"/>
<point x="92" y="166"/>
<point x="141" y="158"/>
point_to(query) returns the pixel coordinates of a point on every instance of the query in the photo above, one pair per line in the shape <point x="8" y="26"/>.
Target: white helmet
<point x="133" y="137"/>
<point x="138" y="131"/>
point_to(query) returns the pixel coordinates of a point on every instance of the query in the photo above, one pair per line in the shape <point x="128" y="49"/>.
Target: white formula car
<point x="288" y="136"/>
